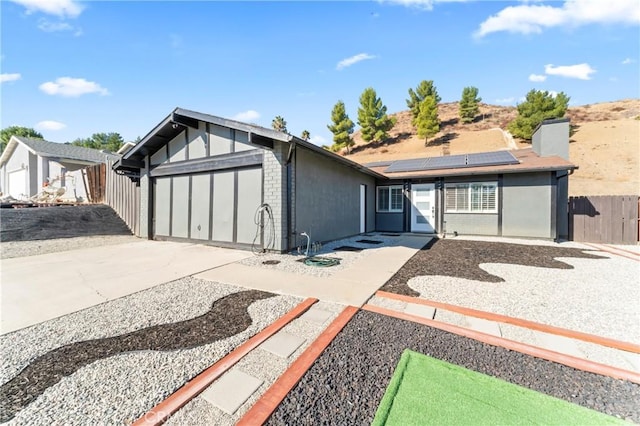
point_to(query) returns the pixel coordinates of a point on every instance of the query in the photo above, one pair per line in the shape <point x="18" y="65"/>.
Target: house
<point x="519" y="193"/>
<point x="212" y="180"/>
<point x="26" y="164"/>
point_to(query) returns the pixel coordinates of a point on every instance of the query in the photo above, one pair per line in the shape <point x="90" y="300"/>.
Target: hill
<point x="605" y="144"/>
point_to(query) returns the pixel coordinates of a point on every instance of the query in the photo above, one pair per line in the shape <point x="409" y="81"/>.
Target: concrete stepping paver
<point x="560" y="344"/>
<point x="420" y="310"/>
<point x="283" y="344"/>
<point x="232" y="390"/>
<point x="484" y="326"/>
<point x="316" y="315"/>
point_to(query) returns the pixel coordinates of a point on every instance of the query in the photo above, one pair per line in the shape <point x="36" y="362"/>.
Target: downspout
<point x="290" y="176"/>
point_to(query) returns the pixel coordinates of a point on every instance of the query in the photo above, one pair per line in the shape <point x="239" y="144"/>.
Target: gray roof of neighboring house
<point x="55" y="150"/>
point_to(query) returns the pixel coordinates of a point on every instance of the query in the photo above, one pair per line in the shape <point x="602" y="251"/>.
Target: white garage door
<point x="18" y="184"/>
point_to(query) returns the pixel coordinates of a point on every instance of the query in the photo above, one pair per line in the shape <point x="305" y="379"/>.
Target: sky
<point x="73" y="68"/>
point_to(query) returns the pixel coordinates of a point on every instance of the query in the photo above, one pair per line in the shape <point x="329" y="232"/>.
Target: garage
<point x="18" y="184"/>
<point x="207" y="206"/>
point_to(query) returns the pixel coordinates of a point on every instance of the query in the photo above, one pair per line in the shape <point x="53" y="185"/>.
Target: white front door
<point x="363" y="209"/>
<point x="423" y="208"/>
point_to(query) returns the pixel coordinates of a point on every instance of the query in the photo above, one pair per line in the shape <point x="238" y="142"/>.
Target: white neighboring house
<point x="26" y="164"/>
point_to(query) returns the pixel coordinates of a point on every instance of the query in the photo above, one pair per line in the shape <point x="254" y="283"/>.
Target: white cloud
<point x="72" y="87"/>
<point x="579" y="71"/>
<point x="553" y="93"/>
<point x="318" y="140"/>
<point x="537" y="78"/>
<point x="61" y="8"/>
<point x="9" y="77"/>
<point x="628" y="61"/>
<point x="531" y="19"/>
<point x="347" y="62"/>
<point x="506" y="101"/>
<point x="52" y="27"/>
<point x="420" y="4"/>
<point x="50" y="125"/>
<point x="249" y="115"/>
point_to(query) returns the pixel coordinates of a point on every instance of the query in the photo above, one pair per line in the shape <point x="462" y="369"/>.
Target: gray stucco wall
<point x="390" y="222"/>
<point x="526" y="209"/>
<point x="471" y="223"/>
<point x="552" y="138"/>
<point x="327" y="196"/>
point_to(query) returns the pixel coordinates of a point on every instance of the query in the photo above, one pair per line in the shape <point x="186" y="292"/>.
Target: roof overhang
<point x="179" y="119"/>
<point x="10" y="149"/>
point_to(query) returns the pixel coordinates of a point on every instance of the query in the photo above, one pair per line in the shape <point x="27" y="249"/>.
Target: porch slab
<point x="232" y="390"/>
<point x="282" y="344"/>
<point x="352" y="286"/>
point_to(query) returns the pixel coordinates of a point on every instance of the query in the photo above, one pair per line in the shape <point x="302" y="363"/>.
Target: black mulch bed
<point x="228" y="316"/>
<point x="369" y="241"/>
<point x="461" y="259"/>
<point x="346" y="383"/>
<point x="45" y="223"/>
<point x="348" y="248"/>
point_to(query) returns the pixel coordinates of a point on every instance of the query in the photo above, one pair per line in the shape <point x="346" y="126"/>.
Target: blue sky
<point x="72" y="68"/>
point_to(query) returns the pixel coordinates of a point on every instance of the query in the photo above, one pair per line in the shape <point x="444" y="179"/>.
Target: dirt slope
<point x="605" y="145"/>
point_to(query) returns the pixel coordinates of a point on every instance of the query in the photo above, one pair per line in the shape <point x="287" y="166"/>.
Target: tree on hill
<point x="424" y="89"/>
<point x="305" y="135"/>
<point x="111" y="142"/>
<point x="373" y="118"/>
<point x="469" y="104"/>
<point x="279" y="124"/>
<point x="342" y="128"/>
<point x="538" y="106"/>
<point x="6" y="133"/>
<point x="427" y="122"/>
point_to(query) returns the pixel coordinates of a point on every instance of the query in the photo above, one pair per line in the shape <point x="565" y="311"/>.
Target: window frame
<point x="473" y="190"/>
<point x="389" y="199"/>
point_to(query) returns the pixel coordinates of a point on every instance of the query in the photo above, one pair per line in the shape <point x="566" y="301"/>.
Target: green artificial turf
<point x="428" y="391"/>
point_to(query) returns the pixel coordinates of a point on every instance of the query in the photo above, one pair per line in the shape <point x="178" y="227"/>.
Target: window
<point x="480" y="197"/>
<point x="390" y="199"/>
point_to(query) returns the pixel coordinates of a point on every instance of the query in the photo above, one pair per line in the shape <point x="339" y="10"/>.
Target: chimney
<point x="551" y="137"/>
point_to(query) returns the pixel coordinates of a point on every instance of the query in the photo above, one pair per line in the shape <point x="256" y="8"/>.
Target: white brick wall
<point x="275" y="190"/>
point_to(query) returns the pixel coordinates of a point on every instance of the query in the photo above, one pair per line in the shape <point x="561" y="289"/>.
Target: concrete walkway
<point x="352" y="286"/>
<point x="39" y="288"/>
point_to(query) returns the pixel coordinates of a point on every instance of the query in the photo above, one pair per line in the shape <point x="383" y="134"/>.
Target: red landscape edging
<point x="578" y="335"/>
<point x="568" y="360"/>
<point x="614" y="250"/>
<point x="270" y="400"/>
<point x="161" y="412"/>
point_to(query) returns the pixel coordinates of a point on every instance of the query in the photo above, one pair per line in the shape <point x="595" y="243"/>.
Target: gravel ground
<point x="121" y="388"/>
<point x="346" y="383"/>
<point x="292" y="262"/>
<point x="11" y="249"/>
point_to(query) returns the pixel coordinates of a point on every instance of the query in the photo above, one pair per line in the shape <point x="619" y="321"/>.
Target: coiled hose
<point x="264" y="228"/>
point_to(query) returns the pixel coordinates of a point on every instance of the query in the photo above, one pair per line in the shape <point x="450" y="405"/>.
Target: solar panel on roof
<point x="447" y="162"/>
<point x="491" y="158"/>
<point x="407" y="165"/>
<point x="496" y="158"/>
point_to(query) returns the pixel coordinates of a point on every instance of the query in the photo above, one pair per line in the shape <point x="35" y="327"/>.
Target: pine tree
<point x="372" y="117"/>
<point x="538" y="106"/>
<point x="279" y="124"/>
<point x="305" y="135"/>
<point x="469" y="104"/>
<point x="342" y="128"/>
<point x="427" y="122"/>
<point x="424" y="89"/>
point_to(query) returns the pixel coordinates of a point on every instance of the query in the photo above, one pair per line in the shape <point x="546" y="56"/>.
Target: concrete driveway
<point x="38" y="288"/>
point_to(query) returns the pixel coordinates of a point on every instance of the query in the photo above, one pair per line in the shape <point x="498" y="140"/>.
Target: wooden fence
<point x="118" y="192"/>
<point x="609" y="219"/>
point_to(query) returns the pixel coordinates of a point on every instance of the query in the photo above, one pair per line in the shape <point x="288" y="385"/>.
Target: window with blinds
<point x="477" y="197"/>
<point x="390" y="199"/>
